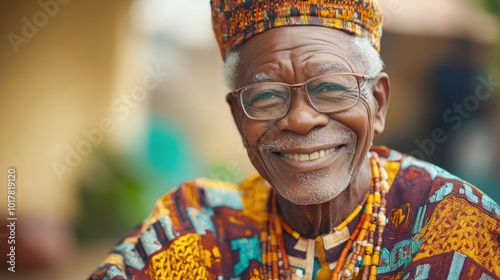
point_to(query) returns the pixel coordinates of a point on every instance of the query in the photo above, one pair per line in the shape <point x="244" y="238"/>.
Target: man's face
<point x="307" y="156"/>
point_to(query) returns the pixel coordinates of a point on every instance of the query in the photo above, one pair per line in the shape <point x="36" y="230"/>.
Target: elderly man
<point x="308" y="95"/>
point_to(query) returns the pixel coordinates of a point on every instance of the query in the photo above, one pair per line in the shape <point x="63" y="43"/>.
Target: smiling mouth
<point x="309" y="157"/>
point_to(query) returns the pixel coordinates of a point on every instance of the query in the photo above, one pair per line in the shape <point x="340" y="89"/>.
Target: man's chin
<point x="310" y="188"/>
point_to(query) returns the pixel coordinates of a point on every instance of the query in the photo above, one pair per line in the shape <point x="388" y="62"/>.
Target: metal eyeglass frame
<point x="359" y="78"/>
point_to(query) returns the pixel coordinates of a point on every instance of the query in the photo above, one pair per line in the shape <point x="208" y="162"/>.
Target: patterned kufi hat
<point x="236" y="21"/>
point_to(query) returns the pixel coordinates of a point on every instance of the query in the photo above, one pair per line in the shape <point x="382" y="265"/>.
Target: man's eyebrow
<point x="330" y="67"/>
<point x="260" y="77"/>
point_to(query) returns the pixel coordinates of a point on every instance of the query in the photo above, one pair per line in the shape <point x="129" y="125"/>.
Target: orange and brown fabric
<point x="236" y="21"/>
<point x="438" y="227"/>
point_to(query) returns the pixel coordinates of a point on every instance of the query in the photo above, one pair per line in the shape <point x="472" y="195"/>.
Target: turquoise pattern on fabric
<point x="222" y="197"/>
<point x="249" y="249"/>
<point x="442" y="192"/>
<point x="471" y="197"/>
<point x="456" y="266"/>
<point x="113" y="272"/>
<point x="490" y="205"/>
<point x="150" y="241"/>
<point x="130" y="255"/>
<point x="201" y="222"/>
<point x="166" y="224"/>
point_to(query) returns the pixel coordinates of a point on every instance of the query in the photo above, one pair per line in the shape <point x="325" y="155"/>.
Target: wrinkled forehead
<point x="301" y="51"/>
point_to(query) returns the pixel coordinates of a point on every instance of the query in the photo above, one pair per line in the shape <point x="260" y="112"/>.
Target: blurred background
<point x="106" y="105"/>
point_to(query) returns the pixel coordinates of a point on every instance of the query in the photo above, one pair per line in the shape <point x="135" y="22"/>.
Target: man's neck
<point x="318" y="219"/>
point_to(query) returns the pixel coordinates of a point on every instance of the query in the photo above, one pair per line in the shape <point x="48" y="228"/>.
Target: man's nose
<point x="302" y="117"/>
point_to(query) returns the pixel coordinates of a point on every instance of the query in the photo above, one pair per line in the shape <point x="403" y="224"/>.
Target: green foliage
<point x="112" y="200"/>
<point x="492" y="6"/>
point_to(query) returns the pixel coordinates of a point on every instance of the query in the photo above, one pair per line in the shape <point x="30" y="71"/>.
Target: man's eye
<point x="265" y="98"/>
<point x="329" y="88"/>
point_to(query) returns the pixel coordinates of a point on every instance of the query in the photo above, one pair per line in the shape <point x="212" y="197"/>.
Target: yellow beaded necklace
<point x="361" y="254"/>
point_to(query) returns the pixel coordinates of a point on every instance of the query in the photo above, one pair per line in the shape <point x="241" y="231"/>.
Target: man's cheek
<point x="253" y="156"/>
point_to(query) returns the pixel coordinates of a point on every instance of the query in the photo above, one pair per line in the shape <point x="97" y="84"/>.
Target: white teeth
<point x="312" y="156"/>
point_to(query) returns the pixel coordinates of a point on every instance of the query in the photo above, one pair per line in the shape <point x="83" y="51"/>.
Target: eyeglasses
<point x="326" y="93"/>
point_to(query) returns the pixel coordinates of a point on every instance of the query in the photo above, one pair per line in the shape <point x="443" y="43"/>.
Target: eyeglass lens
<point x="327" y="93"/>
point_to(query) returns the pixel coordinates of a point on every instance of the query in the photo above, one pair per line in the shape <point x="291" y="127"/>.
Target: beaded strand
<point x="361" y="254"/>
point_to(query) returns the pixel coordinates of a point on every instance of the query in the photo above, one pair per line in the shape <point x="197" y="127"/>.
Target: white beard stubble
<point x="318" y="186"/>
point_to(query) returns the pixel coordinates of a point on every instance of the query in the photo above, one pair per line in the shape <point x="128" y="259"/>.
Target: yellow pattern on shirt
<point x="456" y="226"/>
<point x="185" y="258"/>
<point x="255" y="194"/>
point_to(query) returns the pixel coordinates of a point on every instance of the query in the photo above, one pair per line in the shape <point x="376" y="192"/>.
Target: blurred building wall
<point x="52" y="86"/>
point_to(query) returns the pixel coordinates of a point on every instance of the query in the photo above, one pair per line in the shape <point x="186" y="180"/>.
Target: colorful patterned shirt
<point x="438" y="227"/>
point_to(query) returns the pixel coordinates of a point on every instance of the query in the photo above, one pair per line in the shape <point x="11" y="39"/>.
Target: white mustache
<point x="315" y="138"/>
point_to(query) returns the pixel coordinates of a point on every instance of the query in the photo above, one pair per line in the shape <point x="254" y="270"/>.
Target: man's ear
<point x="237" y="113"/>
<point x="381" y="93"/>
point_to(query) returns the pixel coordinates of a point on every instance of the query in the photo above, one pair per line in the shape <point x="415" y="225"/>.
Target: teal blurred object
<point x="118" y="192"/>
<point x="169" y="156"/>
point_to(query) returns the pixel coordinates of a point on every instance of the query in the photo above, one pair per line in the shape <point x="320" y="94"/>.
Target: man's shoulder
<point x="203" y="195"/>
<point x="434" y="219"/>
<point x="422" y="182"/>
<point x="200" y="211"/>
<point x="202" y="192"/>
<point x="210" y="193"/>
<point x="419" y="167"/>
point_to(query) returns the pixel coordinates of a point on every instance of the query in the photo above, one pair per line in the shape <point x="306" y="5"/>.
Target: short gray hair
<point x="365" y="57"/>
<point x="230" y="66"/>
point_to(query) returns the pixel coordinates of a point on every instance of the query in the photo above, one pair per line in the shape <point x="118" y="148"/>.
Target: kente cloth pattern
<point x="235" y="21"/>
<point x="438" y="227"/>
